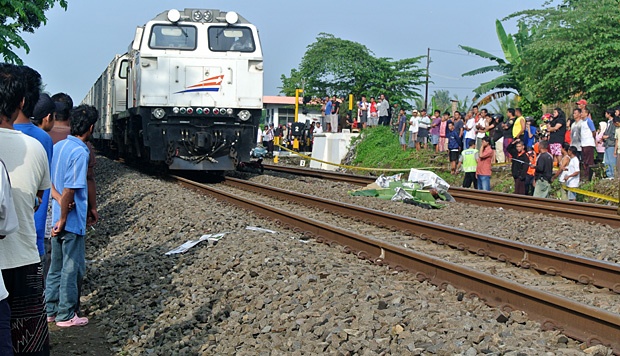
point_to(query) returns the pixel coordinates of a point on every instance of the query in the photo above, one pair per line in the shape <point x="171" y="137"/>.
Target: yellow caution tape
<point x="354" y="167"/>
<point x="591" y="194"/>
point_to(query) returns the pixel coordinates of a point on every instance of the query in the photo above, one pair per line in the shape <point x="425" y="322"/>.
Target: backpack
<point x="389" y="111"/>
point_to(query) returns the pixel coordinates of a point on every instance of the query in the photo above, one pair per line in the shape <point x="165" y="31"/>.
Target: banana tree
<point x="506" y="84"/>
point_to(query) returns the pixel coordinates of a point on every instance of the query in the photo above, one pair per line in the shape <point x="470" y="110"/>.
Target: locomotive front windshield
<point x="180" y="37"/>
<point x="224" y="38"/>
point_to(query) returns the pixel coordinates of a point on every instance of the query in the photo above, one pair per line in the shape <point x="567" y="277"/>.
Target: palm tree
<point x="500" y="106"/>
<point x="464" y="104"/>
<point x="441" y="100"/>
<point x="505" y="84"/>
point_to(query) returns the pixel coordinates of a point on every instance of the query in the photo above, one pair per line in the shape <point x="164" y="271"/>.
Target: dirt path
<point x="86" y="340"/>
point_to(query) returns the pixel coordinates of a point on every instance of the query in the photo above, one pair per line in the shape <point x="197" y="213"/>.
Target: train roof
<point x="201" y="16"/>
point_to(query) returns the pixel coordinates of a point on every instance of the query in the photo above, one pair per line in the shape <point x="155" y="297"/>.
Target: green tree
<point x="464" y="105"/>
<point x="441" y="101"/>
<point x="19" y="16"/>
<point x="333" y="66"/>
<point x="506" y="83"/>
<point x="574" y="52"/>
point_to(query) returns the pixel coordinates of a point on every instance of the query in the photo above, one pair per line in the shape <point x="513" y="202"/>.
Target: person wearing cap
<point x="581" y="104"/>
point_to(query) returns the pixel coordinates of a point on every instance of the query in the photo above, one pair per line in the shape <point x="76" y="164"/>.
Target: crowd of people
<point x="47" y="200"/>
<point x="539" y="151"/>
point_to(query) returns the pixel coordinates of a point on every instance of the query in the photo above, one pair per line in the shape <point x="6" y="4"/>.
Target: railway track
<point x="580" y="321"/>
<point x="602" y="214"/>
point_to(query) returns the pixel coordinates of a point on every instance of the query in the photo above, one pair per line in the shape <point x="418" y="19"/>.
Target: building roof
<point x="281" y="100"/>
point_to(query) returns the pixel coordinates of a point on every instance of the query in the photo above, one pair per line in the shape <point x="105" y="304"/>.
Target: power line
<point x="460" y="52"/>
<point x="434" y="86"/>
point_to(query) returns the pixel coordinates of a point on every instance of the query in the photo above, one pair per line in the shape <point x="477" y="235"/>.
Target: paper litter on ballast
<point x="259" y="229"/>
<point x="211" y="238"/>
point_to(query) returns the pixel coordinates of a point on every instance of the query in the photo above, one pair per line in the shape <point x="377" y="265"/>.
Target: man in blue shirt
<point x="42" y="108"/>
<point x="69" y="167"/>
<point x="328" y="107"/>
<point x="454" y="145"/>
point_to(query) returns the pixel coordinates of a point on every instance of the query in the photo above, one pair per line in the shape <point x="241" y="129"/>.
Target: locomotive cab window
<point x="181" y="37"/>
<point x="123" y="69"/>
<point x="222" y="39"/>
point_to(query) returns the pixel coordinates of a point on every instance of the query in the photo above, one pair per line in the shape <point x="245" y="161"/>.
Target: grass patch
<point x="379" y="147"/>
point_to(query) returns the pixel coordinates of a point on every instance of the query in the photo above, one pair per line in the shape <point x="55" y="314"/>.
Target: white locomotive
<point x="188" y="92"/>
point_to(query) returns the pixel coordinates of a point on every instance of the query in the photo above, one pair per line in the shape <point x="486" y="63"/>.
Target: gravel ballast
<point x="574" y="236"/>
<point x="257" y="293"/>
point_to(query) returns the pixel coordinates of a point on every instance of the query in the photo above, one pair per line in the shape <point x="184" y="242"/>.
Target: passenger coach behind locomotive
<point x="188" y="93"/>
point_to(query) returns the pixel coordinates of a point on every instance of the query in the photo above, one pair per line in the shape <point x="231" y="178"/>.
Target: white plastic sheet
<point x="428" y="179"/>
<point x="401" y="194"/>
<point x="384" y="182"/>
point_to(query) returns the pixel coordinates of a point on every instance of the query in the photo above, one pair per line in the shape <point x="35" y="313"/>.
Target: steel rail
<point x="578" y="268"/>
<point x="576" y="320"/>
<point x="603" y="214"/>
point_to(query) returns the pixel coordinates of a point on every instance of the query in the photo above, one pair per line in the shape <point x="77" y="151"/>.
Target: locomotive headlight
<point x="197" y="15"/>
<point x="222" y="111"/>
<point x="244" y="115"/>
<point x="159" y="113"/>
<point x="229" y="111"/>
<point x="175" y="110"/>
<point x="206" y="111"/>
<point x="174" y="15"/>
<point x="216" y="111"/>
<point x="183" y="110"/>
<point x="199" y="111"/>
<point x="190" y="111"/>
<point x="232" y="17"/>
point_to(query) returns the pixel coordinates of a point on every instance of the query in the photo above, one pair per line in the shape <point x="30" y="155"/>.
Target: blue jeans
<point x="67" y="268"/>
<point x="610" y="161"/>
<point x="484" y="182"/>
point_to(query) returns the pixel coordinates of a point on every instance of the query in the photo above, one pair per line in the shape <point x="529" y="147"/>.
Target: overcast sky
<point x="76" y="45"/>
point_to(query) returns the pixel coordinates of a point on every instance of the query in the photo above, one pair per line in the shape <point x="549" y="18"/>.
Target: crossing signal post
<point x="297" y="92"/>
<point x="296" y="140"/>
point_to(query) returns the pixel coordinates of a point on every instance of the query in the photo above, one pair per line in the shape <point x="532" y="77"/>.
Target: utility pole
<point x="428" y="62"/>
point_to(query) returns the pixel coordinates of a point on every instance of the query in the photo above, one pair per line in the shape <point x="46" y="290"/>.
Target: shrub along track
<point x="575" y="319"/>
<point x="603" y="214"/>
